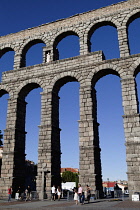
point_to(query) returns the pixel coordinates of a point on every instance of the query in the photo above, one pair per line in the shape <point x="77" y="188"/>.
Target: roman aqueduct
<point x="87" y="69"/>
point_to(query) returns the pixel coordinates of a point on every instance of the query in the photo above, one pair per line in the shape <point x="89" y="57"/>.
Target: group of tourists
<point x="79" y="194"/>
<point x="19" y="195"/>
<point x="56" y="191"/>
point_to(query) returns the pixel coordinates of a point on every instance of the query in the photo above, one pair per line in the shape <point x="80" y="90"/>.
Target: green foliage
<point x="69" y="176"/>
<point x="1" y="137"/>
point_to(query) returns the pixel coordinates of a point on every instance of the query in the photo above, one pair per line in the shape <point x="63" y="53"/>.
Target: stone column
<point x="132" y="133"/>
<point x="123" y="42"/>
<point x="13" y="161"/>
<point x="44" y="146"/>
<point x="17" y="61"/>
<point x="49" y="144"/>
<point x="90" y="163"/>
<point x="84" y="45"/>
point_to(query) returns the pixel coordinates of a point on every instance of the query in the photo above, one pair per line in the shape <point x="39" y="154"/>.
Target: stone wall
<point x="86" y="69"/>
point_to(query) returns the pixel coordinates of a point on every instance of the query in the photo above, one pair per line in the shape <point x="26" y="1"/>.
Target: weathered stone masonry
<point x="86" y="69"/>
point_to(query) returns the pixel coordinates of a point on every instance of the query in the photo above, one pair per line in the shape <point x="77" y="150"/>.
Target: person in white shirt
<point x="53" y="192"/>
<point x="80" y="190"/>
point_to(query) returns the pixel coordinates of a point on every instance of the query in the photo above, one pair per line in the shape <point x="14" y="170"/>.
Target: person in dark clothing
<point x="28" y="193"/>
<point x="88" y="193"/>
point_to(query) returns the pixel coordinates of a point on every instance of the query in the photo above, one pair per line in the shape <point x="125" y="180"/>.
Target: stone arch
<point x="97" y="24"/>
<point x="65" y="76"/>
<point x="30" y="41"/>
<point x="29" y="85"/>
<point x="61" y="35"/>
<point x="131" y="16"/>
<point x="20" y="133"/>
<point x="55" y="138"/>
<point x="59" y="83"/>
<point x="134" y="68"/>
<point x="102" y="73"/>
<point x="3" y="92"/>
<point x="5" y="49"/>
<point x="10" y="53"/>
<point x="136" y="71"/>
<point x="6" y="90"/>
<point x="26" y="47"/>
<point x="26" y="89"/>
<point x="104" y="70"/>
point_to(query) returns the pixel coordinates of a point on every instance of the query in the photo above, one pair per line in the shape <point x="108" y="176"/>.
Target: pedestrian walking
<point x="88" y="193"/>
<point x="76" y="196"/>
<point x="53" y="192"/>
<point x="80" y="190"/>
<point x="58" y="193"/>
<point x="82" y="198"/>
<point x="28" y="193"/>
<point x="9" y="193"/>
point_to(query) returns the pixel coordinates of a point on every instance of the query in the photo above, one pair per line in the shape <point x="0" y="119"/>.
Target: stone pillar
<point x="123" y="42"/>
<point x="84" y="49"/>
<point x="132" y="133"/>
<point x="13" y="161"/>
<point x="90" y="163"/>
<point x="44" y="147"/>
<point x="49" y="144"/>
<point x="17" y="60"/>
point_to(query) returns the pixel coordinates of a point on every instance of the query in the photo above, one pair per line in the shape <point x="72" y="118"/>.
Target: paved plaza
<point x="67" y="205"/>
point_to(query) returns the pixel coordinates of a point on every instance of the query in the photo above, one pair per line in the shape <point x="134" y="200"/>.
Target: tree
<point x="69" y="176"/>
<point x="1" y="137"/>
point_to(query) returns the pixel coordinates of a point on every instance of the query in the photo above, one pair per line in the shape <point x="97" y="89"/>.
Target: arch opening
<point x="137" y="82"/>
<point x="69" y="116"/>
<point x="111" y="134"/>
<point x="6" y="60"/>
<point x="103" y="36"/>
<point x="26" y="142"/>
<point x="133" y="34"/>
<point x="65" y="113"/>
<point x="32" y="53"/>
<point x="3" y="115"/>
<point x="66" y="45"/>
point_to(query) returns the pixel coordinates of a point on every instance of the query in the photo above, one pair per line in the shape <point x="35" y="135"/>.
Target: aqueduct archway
<point x="86" y="68"/>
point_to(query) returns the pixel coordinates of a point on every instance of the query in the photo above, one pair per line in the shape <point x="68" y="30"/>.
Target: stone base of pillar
<point x="5" y="183"/>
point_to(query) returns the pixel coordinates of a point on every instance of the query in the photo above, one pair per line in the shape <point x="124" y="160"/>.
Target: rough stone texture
<point x="86" y="69"/>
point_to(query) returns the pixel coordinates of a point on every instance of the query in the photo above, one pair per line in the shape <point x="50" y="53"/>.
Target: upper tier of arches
<point x="82" y="29"/>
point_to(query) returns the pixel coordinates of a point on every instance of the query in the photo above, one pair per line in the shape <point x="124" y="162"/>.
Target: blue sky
<point x="19" y="15"/>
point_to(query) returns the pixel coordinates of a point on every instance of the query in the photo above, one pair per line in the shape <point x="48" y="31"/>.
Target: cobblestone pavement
<point x="69" y="205"/>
